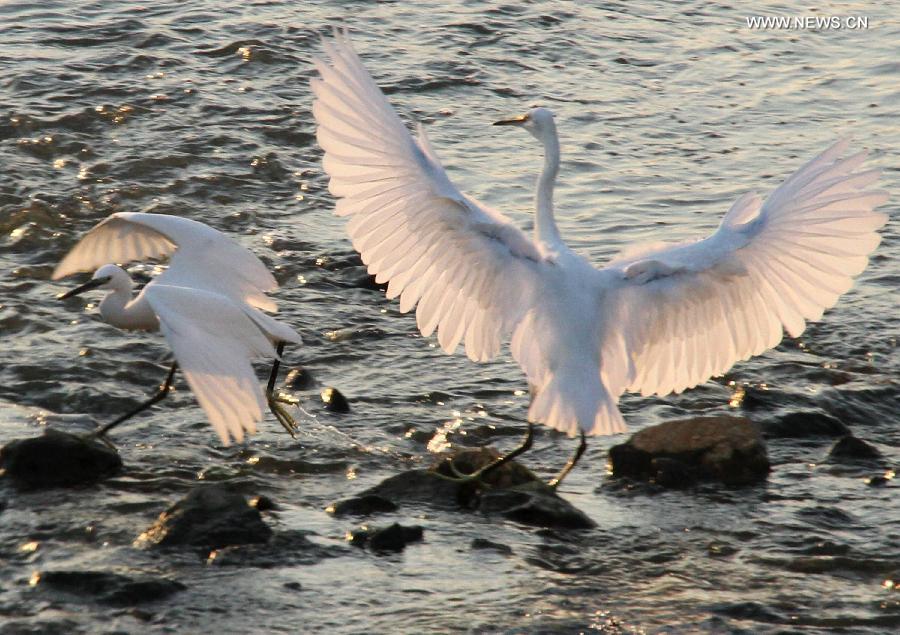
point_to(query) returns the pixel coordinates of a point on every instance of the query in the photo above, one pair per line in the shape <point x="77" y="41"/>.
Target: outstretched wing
<point x="214" y="340"/>
<point x="472" y="273"/>
<point x="201" y="256"/>
<point x="684" y="313"/>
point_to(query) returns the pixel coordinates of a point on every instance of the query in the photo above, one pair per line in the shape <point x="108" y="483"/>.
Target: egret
<point x="208" y="304"/>
<point x="657" y="319"/>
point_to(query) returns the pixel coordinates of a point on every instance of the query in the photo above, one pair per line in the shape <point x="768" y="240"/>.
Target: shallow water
<point x="667" y="113"/>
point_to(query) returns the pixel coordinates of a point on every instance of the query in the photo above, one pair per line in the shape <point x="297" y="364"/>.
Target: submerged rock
<point x="851" y="447"/>
<point x="210" y="516"/>
<point x="483" y="544"/>
<point x="362" y="506"/>
<point x="108" y="588"/>
<point x="287" y="548"/>
<point x="334" y="401"/>
<point x="392" y="538"/>
<point x="58" y="459"/>
<point x="512" y="491"/>
<point x="805" y="423"/>
<point x="300" y="379"/>
<point x="677" y="453"/>
<point x="534" y="504"/>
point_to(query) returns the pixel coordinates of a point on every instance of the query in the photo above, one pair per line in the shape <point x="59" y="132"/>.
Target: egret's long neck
<point x="112" y="307"/>
<point x="545" y="225"/>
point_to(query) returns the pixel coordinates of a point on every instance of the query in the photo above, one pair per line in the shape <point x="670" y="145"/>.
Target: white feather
<point x="658" y="318"/>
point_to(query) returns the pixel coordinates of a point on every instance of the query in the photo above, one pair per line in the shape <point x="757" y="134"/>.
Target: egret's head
<point x="537" y="121"/>
<point x="106" y="277"/>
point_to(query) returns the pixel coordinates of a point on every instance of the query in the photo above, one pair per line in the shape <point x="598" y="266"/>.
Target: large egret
<point x="207" y="304"/>
<point x="657" y="319"/>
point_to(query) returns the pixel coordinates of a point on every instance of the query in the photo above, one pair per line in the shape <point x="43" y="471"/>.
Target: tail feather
<point x="569" y="403"/>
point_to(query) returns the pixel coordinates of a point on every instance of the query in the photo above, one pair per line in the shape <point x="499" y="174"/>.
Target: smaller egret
<point x="207" y="304"/>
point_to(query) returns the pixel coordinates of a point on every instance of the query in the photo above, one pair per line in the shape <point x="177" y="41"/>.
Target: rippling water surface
<point x="667" y="112"/>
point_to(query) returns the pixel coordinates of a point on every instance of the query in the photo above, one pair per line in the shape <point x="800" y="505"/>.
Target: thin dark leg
<point x="159" y="396"/>
<point x="285" y="419"/>
<point x="273" y="376"/>
<point x="568" y="467"/>
<point x="506" y="458"/>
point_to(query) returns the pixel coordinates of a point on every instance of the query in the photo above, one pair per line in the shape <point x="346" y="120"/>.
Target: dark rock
<point x="850" y="447"/>
<point x="806" y="423"/>
<point x="58" y="459"/>
<point x="269" y="168"/>
<point x="110" y="588"/>
<point x="718" y="549"/>
<point x="263" y="503"/>
<point x="367" y="281"/>
<point x="395" y="537"/>
<point x="293" y="586"/>
<point x="483" y="544"/>
<point x="334" y="401"/>
<point x="674" y="453"/>
<point x="672" y="473"/>
<point x="511" y="490"/>
<point x="416" y="487"/>
<point x="286" y="548"/>
<point x="753" y="397"/>
<point x="392" y="538"/>
<point x="300" y="379"/>
<point x="534" y="504"/>
<point x="40" y="627"/>
<point x="878" y="481"/>
<point x="362" y="506"/>
<point x="209" y="516"/>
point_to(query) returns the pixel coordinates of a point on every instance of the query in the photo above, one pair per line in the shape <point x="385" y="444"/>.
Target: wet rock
<point x="293" y="586"/>
<point x="512" y="491"/>
<point x="300" y="379"/>
<point x="534" y="504"/>
<point x="40" y="627"/>
<point x="806" y="423"/>
<point x="392" y="538"/>
<point x="367" y="281"/>
<point x="263" y="503"/>
<point x="58" y="459"/>
<point x="416" y="487"/>
<point x="286" y="549"/>
<point x="850" y="447"/>
<point x="362" y="506"/>
<point x="676" y="453"/>
<point x="483" y="544"/>
<point x="210" y="516"/>
<point x="880" y="480"/>
<point x="334" y="401"/>
<point x="672" y="473"/>
<point x="109" y="588"/>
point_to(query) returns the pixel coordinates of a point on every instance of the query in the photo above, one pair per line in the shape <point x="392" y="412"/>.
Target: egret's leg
<point x="490" y="467"/>
<point x="568" y="466"/>
<point x="159" y="396"/>
<point x="285" y="419"/>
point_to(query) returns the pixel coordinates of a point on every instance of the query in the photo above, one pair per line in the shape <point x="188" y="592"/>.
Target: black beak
<point x="87" y="286"/>
<point x="515" y="121"/>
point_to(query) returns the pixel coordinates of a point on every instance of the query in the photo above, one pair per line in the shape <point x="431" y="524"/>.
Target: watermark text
<point x="808" y="22"/>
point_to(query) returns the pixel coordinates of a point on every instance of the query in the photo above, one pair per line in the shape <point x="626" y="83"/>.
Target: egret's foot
<point x="473" y="477"/>
<point x="290" y="400"/>
<point x="553" y="483"/>
<point x="282" y="415"/>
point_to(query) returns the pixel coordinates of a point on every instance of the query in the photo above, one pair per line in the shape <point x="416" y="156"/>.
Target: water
<point x="667" y="113"/>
